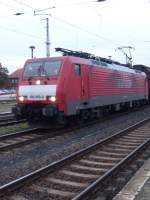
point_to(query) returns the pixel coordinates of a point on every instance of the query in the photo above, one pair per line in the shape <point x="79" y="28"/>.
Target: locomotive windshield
<point x="46" y="68"/>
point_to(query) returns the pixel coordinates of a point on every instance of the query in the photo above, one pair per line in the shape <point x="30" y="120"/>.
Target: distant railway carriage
<point x="145" y="69"/>
<point x="76" y="84"/>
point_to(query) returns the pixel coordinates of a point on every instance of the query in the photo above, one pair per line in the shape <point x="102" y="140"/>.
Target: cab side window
<point x="77" y="69"/>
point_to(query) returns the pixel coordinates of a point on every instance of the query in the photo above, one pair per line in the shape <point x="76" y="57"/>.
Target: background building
<point x="14" y="78"/>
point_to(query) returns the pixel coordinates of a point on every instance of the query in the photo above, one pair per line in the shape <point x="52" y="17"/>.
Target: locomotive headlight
<point x="21" y="98"/>
<point x="52" y="98"/>
<point x="38" y="82"/>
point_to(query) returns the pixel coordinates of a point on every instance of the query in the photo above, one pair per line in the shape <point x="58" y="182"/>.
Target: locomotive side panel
<point x="68" y="86"/>
<point x="108" y="86"/>
<point x="145" y="69"/>
<point x="96" y="86"/>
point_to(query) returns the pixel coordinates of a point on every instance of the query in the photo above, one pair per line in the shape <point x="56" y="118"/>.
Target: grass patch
<point x="14" y="128"/>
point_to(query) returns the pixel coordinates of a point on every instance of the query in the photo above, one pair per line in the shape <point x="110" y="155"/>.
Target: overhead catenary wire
<point x="65" y="22"/>
<point x="63" y="5"/>
<point x="96" y="35"/>
<point x="11" y="9"/>
<point x="68" y="23"/>
<point x="85" y="30"/>
<point x="7" y="5"/>
<point x="20" y="32"/>
<point x="24" y="4"/>
<point x="67" y="5"/>
<point x="59" y="6"/>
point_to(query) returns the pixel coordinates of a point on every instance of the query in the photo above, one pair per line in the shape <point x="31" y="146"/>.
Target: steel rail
<point x="8" y="119"/>
<point x="16" y="184"/>
<point x="6" y="116"/>
<point x="9" y="141"/>
<point x="12" y="122"/>
<point x="5" y="113"/>
<point x="19" y="133"/>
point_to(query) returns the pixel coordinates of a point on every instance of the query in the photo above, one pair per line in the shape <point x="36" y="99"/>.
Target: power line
<point x="24" y="4"/>
<point x="68" y="23"/>
<point x="84" y="30"/>
<point x="7" y="5"/>
<point x="20" y="32"/>
<point x="66" y="5"/>
<point x="61" y="20"/>
<point x="58" y="6"/>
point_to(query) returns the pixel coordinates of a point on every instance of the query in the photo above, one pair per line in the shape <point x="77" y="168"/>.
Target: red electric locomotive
<point x="79" y="84"/>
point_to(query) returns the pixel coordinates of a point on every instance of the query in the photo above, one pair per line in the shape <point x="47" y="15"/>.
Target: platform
<point x="138" y="188"/>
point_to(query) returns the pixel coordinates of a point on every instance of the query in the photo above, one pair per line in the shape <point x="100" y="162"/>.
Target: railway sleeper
<point x="87" y="170"/>
<point x="116" y="150"/>
<point x="110" y="154"/>
<point x="107" y="159"/>
<point x="134" y="137"/>
<point x="98" y="164"/>
<point x="67" y="177"/>
<point x="66" y="183"/>
<point x="127" y="142"/>
<point x="94" y="170"/>
<point x="124" y="146"/>
<point x="61" y="185"/>
<point x="78" y="174"/>
<point x="49" y="193"/>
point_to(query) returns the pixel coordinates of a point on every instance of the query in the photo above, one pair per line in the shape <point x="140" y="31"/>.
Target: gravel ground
<point x="22" y="161"/>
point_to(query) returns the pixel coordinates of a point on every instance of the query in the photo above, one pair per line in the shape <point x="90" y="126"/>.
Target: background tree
<point x="3" y="76"/>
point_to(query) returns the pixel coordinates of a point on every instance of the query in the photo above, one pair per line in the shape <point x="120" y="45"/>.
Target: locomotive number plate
<point x="36" y="97"/>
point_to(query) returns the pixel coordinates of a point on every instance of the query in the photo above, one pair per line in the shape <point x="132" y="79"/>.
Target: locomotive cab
<point x="37" y="90"/>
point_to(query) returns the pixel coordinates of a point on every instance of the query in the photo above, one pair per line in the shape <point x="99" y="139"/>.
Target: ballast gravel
<point x="24" y="160"/>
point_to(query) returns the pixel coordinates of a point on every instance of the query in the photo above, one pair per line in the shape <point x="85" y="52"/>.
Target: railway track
<point x="7" y="119"/>
<point x="18" y="139"/>
<point x="6" y="116"/>
<point x="82" y="174"/>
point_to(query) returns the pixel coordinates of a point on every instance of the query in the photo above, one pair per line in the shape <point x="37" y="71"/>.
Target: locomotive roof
<point x="97" y="60"/>
<point x="91" y="62"/>
<point x="81" y="54"/>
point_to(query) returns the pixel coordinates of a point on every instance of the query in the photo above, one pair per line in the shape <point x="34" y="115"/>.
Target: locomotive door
<point x="84" y="84"/>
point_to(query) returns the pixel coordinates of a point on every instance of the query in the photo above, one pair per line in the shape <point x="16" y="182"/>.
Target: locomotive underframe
<point x="104" y="101"/>
<point x="49" y="113"/>
<point x="34" y="111"/>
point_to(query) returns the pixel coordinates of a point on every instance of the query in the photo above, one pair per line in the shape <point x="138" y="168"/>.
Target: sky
<point x="83" y="25"/>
